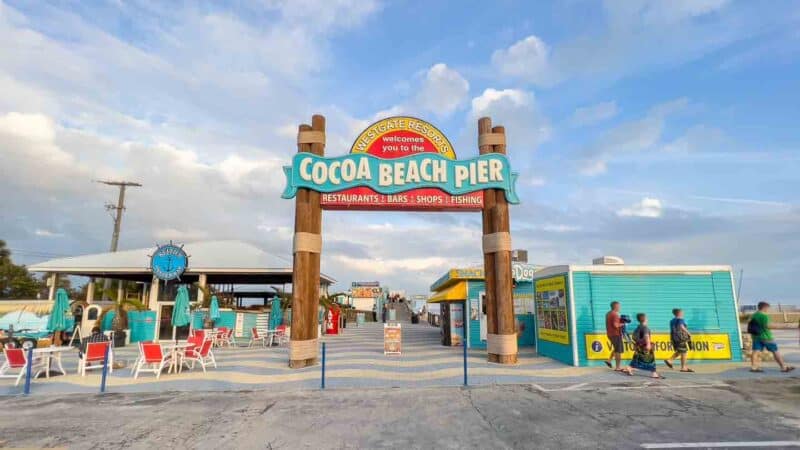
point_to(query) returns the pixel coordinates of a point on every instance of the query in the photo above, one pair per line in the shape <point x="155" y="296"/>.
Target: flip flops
<point x="757" y="370"/>
<point x="787" y="369"/>
<point x="608" y="364"/>
<point x="669" y="364"/>
<point x="687" y="370"/>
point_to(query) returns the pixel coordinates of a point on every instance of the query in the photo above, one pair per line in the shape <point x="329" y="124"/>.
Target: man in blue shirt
<point x="680" y="337"/>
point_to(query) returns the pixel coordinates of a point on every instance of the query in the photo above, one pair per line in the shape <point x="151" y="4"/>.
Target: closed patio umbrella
<point x="58" y="315"/>
<point x="213" y="308"/>
<point x="180" y="312"/>
<point x="276" y="316"/>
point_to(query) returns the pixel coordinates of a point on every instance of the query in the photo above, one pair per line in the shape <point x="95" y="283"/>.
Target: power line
<point x="118" y="209"/>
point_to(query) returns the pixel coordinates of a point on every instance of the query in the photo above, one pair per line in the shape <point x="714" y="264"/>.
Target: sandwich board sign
<point x="392" y="338"/>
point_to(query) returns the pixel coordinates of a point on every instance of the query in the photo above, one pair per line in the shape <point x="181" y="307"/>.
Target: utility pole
<point x="117" y="216"/>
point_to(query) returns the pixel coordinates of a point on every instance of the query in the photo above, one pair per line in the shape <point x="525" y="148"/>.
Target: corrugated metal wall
<point x="706" y="299"/>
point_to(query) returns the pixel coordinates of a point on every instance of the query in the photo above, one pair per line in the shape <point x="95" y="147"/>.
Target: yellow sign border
<point x="377" y="129"/>
<point x="549" y="334"/>
<point x="708" y="343"/>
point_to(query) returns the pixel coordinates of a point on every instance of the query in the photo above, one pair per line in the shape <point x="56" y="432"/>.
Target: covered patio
<point x="235" y="269"/>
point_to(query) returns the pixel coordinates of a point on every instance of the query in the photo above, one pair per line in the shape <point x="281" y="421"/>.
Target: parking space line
<point x="753" y="444"/>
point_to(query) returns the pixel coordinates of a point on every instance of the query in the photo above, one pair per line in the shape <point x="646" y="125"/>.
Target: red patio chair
<point x="255" y="336"/>
<point x="152" y="355"/>
<point x="94" y="357"/>
<point x="200" y="334"/>
<point x="226" y="338"/>
<point x="201" y="354"/>
<point x="281" y="335"/>
<point x="16" y="360"/>
<point x="138" y="355"/>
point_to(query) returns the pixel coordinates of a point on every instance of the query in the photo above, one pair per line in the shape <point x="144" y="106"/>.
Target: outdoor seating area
<point x="198" y="353"/>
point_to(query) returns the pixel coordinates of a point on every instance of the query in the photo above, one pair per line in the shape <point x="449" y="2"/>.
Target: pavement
<point x="744" y="413"/>
<point x="355" y="359"/>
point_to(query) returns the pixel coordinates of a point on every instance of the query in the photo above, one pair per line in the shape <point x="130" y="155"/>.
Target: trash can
<point x="414" y="318"/>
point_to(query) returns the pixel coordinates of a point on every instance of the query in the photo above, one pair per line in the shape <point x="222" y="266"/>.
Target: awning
<point x="455" y="292"/>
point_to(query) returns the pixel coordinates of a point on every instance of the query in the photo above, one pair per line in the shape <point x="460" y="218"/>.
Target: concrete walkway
<point x="355" y="359"/>
<point x="486" y="417"/>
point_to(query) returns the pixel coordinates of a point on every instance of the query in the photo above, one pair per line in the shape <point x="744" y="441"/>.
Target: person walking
<point x="614" y="335"/>
<point x="680" y="337"/>
<point x="759" y="329"/>
<point x="644" y="352"/>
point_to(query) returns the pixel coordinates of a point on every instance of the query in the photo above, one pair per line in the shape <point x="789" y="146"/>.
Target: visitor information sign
<point x="401" y="163"/>
<point x="392" y="338"/>
<point x="551" y="309"/>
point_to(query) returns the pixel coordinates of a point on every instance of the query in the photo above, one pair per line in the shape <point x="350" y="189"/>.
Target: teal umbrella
<point x="276" y="316"/>
<point x="180" y="312"/>
<point x="213" y="308"/>
<point x="58" y="316"/>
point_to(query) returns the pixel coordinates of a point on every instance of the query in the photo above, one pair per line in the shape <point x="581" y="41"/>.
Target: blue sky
<point x="661" y="132"/>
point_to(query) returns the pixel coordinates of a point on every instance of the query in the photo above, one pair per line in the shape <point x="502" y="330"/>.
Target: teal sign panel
<point x="392" y="176"/>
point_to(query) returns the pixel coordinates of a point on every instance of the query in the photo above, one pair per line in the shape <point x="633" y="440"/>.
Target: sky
<point x="663" y="132"/>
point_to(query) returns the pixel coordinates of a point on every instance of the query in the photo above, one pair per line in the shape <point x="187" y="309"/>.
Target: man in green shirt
<point x="764" y="340"/>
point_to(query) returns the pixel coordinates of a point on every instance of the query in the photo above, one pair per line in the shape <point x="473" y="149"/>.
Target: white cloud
<point x="696" y="138"/>
<point x="527" y="59"/>
<point x="648" y="207"/>
<point x="442" y="90"/>
<point x="634" y="36"/>
<point x="590" y="115"/>
<point x="46" y="233"/>
<point x="629" y="137"/>
<point x="517" y="111"/>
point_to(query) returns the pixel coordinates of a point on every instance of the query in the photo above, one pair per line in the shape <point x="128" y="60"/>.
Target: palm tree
<point x="120" y="308"/>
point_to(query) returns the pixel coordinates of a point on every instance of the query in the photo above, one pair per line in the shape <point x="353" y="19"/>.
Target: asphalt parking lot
<point x="627" y="414"/>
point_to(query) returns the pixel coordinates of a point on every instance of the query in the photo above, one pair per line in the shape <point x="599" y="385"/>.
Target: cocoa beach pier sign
<point x="406" y="164"/>
<point x="401" y="163"/>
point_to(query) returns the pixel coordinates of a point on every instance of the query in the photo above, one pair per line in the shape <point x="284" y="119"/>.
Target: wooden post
<point x="504" y="287"/>
<point x="52" y="283"/>
<point x="307" y="245"/>
<point x="90" y="291"/>
<point x="485" y="127"/>
<point x="501" y="329"/>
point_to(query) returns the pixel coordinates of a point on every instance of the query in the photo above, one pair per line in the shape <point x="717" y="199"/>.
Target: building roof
<point x="453" y="276"/>
<point x="222" y="261"/>
<point x="629" y="269"/>
<point x="455" y="292"/>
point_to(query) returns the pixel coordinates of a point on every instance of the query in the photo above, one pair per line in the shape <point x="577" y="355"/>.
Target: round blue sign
<point x="597" y="346"/>
<point x="169" y="262"/>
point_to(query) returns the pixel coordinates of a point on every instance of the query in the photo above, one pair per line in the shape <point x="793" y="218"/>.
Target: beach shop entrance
<point x="401" y="164"/>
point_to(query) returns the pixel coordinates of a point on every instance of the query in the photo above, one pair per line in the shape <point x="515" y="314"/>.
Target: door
<point x="482" y="314"/>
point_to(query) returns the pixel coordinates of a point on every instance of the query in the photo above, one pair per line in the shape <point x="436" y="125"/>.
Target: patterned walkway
<point x="355" y="359"/>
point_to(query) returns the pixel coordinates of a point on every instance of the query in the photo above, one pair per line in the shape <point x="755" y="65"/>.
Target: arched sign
<point x="401" y="163"/>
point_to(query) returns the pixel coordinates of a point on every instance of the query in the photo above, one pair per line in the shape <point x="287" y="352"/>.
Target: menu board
<point x="392" y="339"/>
<point x="523" y="302"/>
<point x="551" y="309"/>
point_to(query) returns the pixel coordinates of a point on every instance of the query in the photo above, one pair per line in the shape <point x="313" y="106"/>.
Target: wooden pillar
<point x="201" y="281"/>
<point x="52" y="283"/>
<point x="501" y="328"/>
<point x="303" y="344"/>
<point x="120" y="291"/>
<point x="90" y="291"/>
<point x="485" y="127"/>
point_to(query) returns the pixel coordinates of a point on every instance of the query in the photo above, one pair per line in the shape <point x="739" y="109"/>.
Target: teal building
<point x="571" y="302"/>
<point x="461" y="294"/>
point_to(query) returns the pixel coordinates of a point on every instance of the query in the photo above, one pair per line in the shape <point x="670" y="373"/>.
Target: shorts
<point x="761" y="345"/>
<point x="680" y="347"/>
<point x="616" y="344"/>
